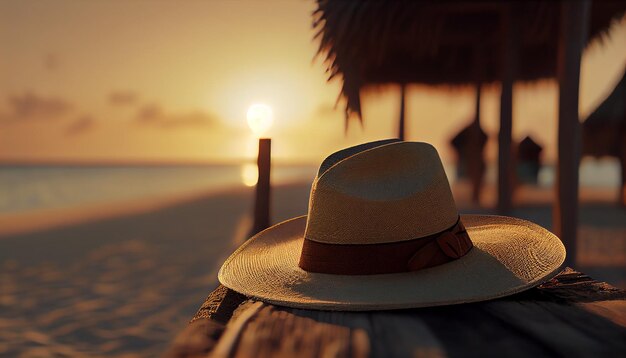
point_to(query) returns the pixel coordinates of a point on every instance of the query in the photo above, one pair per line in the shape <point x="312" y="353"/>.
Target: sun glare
<point x="249" y="174"/>
<point x="260" y="118"/>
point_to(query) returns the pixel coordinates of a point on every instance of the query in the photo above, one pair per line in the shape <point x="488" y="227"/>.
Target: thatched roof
<point x="605" y="128"/>
<point x="370" y="42"/>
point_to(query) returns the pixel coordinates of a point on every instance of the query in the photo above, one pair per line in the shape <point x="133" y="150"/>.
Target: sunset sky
<point x="172" y="81"/>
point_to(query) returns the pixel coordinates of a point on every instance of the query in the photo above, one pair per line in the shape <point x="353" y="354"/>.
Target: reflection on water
<point x="249" y="174"/>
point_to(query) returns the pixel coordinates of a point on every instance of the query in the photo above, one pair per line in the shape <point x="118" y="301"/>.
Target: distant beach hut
<point x="604" y="131"/>
<point x="469" y="145"/>
<point x="528" y="161"/>
<point x="369" y="43"/>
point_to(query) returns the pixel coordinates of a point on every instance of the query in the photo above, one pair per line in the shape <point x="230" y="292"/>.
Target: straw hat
<point x="383" y="232"/>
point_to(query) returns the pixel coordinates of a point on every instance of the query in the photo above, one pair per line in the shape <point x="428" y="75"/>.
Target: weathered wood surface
<point x="572" y="315"/>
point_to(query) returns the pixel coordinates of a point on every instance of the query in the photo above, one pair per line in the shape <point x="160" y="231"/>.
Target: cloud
<point x="149" y="113"/>
<point x="80" y="125"/>
<point x="123" y="98"/>
<point x="154" y="115"/>
<point x="29" y="106"/>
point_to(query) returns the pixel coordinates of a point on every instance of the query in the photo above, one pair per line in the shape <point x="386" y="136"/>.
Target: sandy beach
<point x="124" y="279"/>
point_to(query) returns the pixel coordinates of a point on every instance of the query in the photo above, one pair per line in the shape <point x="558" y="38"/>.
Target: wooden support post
<point x="262" y="196"/>
<point x="476" y="164"/>
<point x="622" y="156"/>
<point x="573" y="34"/>
<point x="401" y="123"/>
<point x="477" y="106"/>
<point x="509" y="62"/>
<point x="622" y="162"/>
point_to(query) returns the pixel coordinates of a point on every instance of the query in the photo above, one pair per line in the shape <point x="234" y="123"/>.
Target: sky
<point x="117" y="81"/>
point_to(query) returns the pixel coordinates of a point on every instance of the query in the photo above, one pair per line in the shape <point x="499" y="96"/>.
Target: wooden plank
<point x="228" y="342"/>
<point x="468" y="329"/>
<point x="570" y="315"/>
<point x="399" y="335"/>
<point x="614" y="311"/>
<point x="208" y="324"/>
<point x="196" y="340"/>
<point x="276" y="332"/>
<point x="520" y="328"/>
<point x="560" y="329"/>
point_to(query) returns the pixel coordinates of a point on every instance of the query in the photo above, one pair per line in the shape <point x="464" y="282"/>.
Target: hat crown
<point x="390" y="193"/>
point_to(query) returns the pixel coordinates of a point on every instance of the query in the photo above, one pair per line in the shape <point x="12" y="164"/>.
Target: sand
<point x="124" y="279"/>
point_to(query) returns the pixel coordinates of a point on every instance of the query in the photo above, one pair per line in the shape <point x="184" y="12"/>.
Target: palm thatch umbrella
<point x="373" y="42"/>
<point x="604" y="131"/>
<point x="369" y="42"/>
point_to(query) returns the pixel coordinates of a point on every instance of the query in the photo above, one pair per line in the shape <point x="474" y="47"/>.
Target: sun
<point x="260" y="118"/>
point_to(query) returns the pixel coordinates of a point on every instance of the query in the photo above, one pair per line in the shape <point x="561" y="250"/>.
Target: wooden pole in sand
<point x="401" y="123"/>
<point x="262" y="197"/>
<point x="573" y="34"/>
<point x="509" y="63"/>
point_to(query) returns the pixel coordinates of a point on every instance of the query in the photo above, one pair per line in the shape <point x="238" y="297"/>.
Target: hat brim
<point x="509" y="256"/>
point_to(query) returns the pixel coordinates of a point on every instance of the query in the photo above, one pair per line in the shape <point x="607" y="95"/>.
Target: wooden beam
<point x="401" y="123"/>
<point x="573" y="34"/>
<point x="509" y="63"/>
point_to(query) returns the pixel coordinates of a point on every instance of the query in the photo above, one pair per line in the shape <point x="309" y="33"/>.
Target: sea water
<point x="31" y="188"/>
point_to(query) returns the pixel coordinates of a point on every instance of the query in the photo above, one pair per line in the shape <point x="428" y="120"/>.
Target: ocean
<point x="26" y="189"/>
<point x="32" y="188"/>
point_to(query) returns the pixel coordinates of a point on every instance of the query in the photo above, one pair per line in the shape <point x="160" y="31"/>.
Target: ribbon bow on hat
<point x="402" y="256"/>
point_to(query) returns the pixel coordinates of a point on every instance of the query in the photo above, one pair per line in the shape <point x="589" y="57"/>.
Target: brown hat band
<point x="394" y="257"/>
